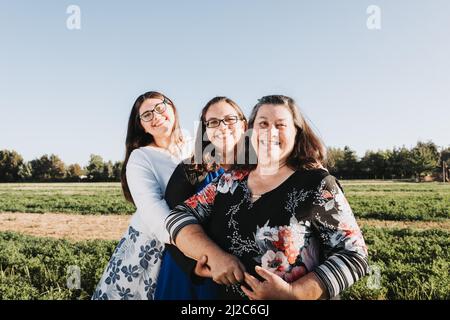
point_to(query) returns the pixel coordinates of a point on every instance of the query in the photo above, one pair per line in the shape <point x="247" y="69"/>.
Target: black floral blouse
<point x="304" y="225"/>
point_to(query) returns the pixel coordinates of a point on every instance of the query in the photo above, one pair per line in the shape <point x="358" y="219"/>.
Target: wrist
<point x="213" y="251"/>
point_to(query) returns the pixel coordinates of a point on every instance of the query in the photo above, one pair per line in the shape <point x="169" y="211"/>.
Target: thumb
<point x="203" y="260"/>
<point x="265" y="274"/>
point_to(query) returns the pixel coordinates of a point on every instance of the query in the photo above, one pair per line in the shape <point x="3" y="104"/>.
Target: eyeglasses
<point x="214" y="123"/>
<point x="159" y="108"/>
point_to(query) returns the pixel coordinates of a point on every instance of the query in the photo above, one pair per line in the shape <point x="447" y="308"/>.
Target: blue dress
<point x="174" y="283"/>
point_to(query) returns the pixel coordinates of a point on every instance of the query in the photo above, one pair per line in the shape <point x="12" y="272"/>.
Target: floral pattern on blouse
<point x="304" y="225"/>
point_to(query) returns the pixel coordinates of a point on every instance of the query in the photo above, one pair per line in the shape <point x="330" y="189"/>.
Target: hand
<point x="202" y="269"/>
<point x="225" y="268"/>
<point x="273" y="288"/>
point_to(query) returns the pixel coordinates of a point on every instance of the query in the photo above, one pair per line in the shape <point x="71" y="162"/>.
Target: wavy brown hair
<point x="137" y="137"/>
<point x="309" y="152"/>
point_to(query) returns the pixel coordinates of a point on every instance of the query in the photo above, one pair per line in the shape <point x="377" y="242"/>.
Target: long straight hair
<point x="137" y="137"/>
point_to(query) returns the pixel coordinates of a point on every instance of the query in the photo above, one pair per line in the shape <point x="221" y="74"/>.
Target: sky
<point x="69" y="91"/>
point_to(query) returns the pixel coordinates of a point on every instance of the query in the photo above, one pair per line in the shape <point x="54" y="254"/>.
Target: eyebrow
<point x="277" y="120"/>
<point x="227" y="115"/>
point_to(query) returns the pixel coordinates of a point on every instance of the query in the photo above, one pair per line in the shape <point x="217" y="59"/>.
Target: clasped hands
<point x="227" y="269"/>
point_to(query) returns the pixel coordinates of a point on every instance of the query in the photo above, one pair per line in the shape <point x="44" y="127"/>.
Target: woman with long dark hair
<point x="154" y="147"/>
<point x="221" y="127"/>
<point x="284" y="216"/>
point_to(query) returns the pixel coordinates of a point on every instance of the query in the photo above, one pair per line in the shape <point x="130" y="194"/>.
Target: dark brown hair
<point x="309" y="152"/>
<point x="208" y="163"/>
<point x="137" y="137"/>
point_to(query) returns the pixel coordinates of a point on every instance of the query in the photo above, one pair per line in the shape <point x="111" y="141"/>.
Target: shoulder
<point x="138" y="155"/>
<point x="323" y="180"/>
<point x="314" y="176"/>
<point x="184" y="171"/>
<point x="236" y="174"/>
<point x="318" y="179"/>
<point x="141" y="155"/>
<point x="187" y="147"/>
<point x="147" y="158"/>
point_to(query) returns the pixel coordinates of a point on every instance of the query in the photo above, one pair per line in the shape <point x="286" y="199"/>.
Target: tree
<point x="424" y="158"/>
<point x="94" y="169"/>
<point x="445" y="156"/>
<point x="48" y="168"/>
<point x="74" y="172"/>
<point x="376" y="164"/>
<point x="350" y="164"/>
<point x="117" y="170"/>
<point x="335" y="158"/>
<point x="444" y="164"/>
<point x="10" y="164"/>
<point x="25" y="171"/>
<point x="107" y="171"/>
<point x="400" y="163"/>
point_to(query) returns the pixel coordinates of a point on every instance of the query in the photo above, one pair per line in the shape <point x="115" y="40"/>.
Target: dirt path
<point x="68" y="226"/>
<point x="111" y="227"/>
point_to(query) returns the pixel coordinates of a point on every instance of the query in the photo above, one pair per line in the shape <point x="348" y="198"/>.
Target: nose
<point x="274" y="132"/>
<point x="223" y="125"/>
<point x="156" y="117"/>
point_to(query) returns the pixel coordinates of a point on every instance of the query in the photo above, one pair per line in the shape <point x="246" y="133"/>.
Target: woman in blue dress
<point x="222" y="125"/>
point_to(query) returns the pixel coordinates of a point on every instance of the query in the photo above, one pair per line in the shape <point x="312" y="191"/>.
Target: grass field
<point x="369" y="199"/>
<point x="413" y="263"/>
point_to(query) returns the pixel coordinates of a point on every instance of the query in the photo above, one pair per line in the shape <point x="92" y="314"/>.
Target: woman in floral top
<point x="285" y="217"/>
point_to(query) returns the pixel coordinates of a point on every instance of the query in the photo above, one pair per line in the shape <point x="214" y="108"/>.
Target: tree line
<point x="50" y="168"/>
<point x="398" y="163"/>
<point x="425" y="159"/>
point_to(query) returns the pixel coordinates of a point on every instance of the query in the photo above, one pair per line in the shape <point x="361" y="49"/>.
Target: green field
<point x="413" y="264"/>
<point x="369" y="199"/>
<point x="77" y="198"/>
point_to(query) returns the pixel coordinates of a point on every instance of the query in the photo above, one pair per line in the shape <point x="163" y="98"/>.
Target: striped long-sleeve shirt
<point x="303" y="225"/>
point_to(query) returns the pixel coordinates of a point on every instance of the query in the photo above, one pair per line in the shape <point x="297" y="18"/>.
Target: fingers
<point x="203" y="260"/>
<point x="231" y="279"/>
<point x="235" y="274"/>
<point x="251" y="281"/>
<point x="265" y="274"/>
<point x="239" y="275"/>
<point x="201" y="268"/>
<point x="221" y="281"/>
<point x="250" y="294"/>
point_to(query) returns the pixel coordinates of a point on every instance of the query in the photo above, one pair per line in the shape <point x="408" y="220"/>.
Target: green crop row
<point x="405" y="264"/>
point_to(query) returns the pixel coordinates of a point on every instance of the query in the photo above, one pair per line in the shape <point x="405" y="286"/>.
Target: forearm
<point x="194" y="243"/>
<point x="308" y="287"/>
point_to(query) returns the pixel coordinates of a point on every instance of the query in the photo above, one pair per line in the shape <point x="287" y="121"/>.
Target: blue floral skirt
<point x="133" y="269"/>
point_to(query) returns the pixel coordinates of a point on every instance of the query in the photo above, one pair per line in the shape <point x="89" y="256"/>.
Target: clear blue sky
<point x="69" y="92"/>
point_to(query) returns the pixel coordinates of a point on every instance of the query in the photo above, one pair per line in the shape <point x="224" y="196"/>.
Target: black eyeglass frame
<point x="164" y="102"/>
<point x="235" y="120"/>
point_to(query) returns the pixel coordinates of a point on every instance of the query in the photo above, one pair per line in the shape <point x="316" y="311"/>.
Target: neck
<point x="227" y="160"/>
<point x="162" y="142"/>
<point x="270" y="170"/>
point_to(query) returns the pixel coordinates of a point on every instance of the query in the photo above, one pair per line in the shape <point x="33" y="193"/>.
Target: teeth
<point x="158" y="124"/>
<point x="221" y="136"/>
<point x="275" y="143"/>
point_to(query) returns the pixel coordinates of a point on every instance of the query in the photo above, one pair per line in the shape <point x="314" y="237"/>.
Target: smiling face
<point x="273" y="135"/>
<point x="161" y="125"/>
<point x="224" y="137"/>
